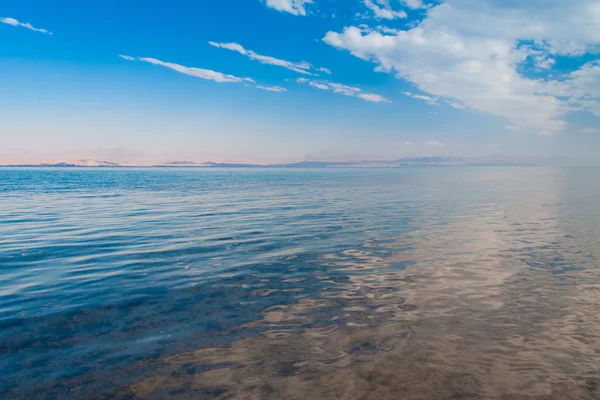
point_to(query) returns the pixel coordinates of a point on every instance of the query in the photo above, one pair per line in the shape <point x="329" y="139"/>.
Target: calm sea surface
<point x="408" y="283"/>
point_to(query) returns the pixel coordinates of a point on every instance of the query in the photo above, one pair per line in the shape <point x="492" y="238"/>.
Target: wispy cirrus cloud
<point x="302" y="67"/>
<point x="372" y="97"/>
<point x="26" y="25"/>
<point x="295" y="7"/>
<point x="191" y="71"/>
<point x="428" y="99"/>
<point x="318" y="85"/>
<point x="590" y="130"/>
<point x="271" y="88"/>
<point x="434" y="143"/>
<point x="206" y="74"/>
<point x="344" y="89"/>
<point x="350" y="91"/>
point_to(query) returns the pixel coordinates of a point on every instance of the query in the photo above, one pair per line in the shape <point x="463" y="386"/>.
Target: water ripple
<point x="249" y="283"/>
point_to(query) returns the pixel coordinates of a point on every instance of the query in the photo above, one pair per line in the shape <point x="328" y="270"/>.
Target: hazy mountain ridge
<point x="403" y="161"/>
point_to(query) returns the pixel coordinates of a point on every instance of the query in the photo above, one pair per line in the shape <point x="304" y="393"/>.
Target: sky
<point x="271" y="81"/>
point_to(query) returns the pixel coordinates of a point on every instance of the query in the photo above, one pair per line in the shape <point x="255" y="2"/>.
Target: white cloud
<point x="382" y="9"/>
<point x="581" y="87"/>
<point x="414" y="4"/>
<point x="324" y="70"/>
<point x="317" y="85"/>
<point x="230" y="46"/>
<point x="455" y="104"/>
<point x="271" y="88"/>
<point x="295" y="7"/>
<point x="471" y="53"/>
<point x="586" y="80"/>
<point x="590" y="130"/>
<point x="385" y="29"/>
<point x="592" y="106"/>
<point x="375" y="98"/>
<point x="350" y="91"/>
<point x="205" y="73"/>
<point x="379" y="28"/>
<point x="195" y="72"/>
<point x="428" y="99"/>
<point x="301" y="67"/>
<point x="26" y="25"/>
<point x="344" y="89"/>
<point x="544" y="62"/>
<point x="434" y="143"/>
<point x="10" y="21"/>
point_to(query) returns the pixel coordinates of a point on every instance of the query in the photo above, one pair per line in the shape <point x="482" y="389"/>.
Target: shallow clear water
<point x="294" y="283"/>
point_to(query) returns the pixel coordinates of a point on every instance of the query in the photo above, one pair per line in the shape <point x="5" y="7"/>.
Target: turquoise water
<point x="112" y="277"/>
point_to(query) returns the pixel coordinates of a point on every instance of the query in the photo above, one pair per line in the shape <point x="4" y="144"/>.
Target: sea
<point x="285" y="283"/>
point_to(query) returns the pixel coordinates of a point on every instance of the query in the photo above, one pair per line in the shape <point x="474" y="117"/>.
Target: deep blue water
<point x="114" y="269"/>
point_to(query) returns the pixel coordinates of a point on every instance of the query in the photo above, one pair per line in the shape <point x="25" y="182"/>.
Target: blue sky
<point x="291" y="80"/>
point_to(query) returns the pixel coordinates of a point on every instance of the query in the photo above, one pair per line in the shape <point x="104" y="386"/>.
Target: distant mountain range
<point x="79" y="163"/>
<point x="401" y="162"/>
